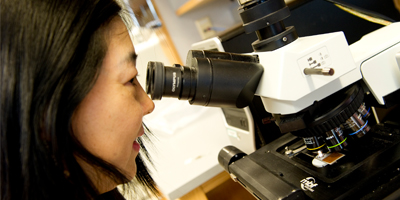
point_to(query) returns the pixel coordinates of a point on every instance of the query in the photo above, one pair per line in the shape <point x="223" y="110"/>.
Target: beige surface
<point x="218" y="188"/>
<point x="199" y="193"/>
<point x="190" y="5"/>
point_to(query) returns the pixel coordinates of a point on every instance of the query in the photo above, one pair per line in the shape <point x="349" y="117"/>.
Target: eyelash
<point x="133" y="79"/>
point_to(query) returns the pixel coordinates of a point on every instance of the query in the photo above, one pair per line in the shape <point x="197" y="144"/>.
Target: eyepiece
<point x="210" y="79"/>
<point x="155" y="79"/>
<point x="176" y="81"/>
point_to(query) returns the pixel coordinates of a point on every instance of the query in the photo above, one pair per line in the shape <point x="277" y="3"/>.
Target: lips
<point x="136" y="145"/>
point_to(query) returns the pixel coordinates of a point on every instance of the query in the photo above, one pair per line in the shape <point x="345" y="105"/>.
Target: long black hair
<point x="51" y="52"/>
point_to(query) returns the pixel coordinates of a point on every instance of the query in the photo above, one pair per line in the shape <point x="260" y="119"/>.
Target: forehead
<point x="117" y="33"/>
<point x="119" y="47"/>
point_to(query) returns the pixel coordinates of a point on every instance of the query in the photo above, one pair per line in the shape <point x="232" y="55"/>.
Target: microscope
<point x="318" y="92"/>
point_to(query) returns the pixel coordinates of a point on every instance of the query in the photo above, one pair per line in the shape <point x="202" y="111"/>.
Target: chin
<point x="132" y="172"/>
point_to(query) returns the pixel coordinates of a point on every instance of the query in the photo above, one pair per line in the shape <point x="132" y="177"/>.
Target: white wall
<point x="182" y="29"/>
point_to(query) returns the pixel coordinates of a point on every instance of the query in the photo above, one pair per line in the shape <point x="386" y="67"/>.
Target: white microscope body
<point x="286" y="89"/>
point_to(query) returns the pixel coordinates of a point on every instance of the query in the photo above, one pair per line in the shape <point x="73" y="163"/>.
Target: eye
<point x="132" y="81"/>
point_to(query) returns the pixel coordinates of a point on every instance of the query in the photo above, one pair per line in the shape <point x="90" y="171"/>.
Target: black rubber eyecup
<point x="155" y="80"/>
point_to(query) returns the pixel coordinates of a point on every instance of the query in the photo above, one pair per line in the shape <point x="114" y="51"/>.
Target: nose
<point x="149" y="105"/>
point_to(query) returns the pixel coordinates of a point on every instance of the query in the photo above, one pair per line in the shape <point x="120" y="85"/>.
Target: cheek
<point x="107" y="125"/>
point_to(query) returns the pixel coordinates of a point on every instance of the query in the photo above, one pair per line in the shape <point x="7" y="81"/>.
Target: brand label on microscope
<point x="308" y="184"/>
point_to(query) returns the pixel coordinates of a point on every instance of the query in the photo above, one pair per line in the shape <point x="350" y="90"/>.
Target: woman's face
<point x="109" y="119"/>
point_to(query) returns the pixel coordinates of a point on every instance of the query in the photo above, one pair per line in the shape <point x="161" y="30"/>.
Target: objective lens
<point x="357" y="126"/>
<point x="315" y="143"/>
<point x="336" y="140"/>
<point x="364" y="111"/>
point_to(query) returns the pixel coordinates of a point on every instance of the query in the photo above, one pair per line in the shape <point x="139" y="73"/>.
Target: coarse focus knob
<point x="228" y="155"/>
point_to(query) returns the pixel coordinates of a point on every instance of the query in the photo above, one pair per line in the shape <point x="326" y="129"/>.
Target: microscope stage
<point x="369" y="169"/>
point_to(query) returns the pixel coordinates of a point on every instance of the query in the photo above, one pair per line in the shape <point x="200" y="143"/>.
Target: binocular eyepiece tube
<point x="210" y="79"/>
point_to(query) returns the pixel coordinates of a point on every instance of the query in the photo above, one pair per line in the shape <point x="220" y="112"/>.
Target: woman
<point x="71" y="107"/>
